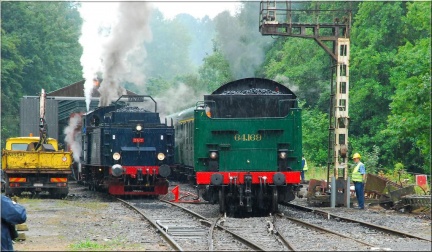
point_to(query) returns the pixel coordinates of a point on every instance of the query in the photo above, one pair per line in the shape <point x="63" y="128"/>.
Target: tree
<point x="40" y="49"/>
<point x="168" y="53"/>
<point x="375" y="37"/>
<point x="315" y="135"/>
<point x="306" y="67"/>
<point x="409" y="120"/>
<point x="214" y="72"/>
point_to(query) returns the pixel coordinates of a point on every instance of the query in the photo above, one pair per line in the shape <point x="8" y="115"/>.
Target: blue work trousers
<point x="302" y="175"/>
<point x="359" y="189"/>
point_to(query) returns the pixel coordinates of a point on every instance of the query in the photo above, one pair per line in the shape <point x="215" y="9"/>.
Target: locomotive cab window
<point x="95" y="121"/>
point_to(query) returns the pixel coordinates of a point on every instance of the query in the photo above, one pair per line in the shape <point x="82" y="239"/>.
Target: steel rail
<point x="313" y="226"/>
<point x="246" y="241"/>
<point x="366" y="224"/>
<point x="210" y="238"/>
<point x="281" y="237"/>
<point x="165" y="235"/>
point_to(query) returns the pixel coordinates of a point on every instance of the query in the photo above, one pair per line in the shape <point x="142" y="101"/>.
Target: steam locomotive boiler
<point x="126" y="150"/>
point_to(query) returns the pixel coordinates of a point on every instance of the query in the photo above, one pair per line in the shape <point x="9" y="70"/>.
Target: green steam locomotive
<point x="242" y="145"/>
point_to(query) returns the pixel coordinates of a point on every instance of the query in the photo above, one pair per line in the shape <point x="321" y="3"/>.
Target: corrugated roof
<point x="77" y="90"/>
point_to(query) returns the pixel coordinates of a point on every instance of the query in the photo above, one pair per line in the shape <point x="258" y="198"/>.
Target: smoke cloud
<point x="113" y="46"/>
<point x="241" y="42"/>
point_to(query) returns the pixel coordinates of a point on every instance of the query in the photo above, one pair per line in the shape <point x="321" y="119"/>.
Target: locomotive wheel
<point x="274" y="203"/>
<point x="222" y="200"/>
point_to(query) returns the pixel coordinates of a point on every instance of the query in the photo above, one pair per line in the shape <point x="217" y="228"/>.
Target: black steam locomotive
<point x="126" y="150"/>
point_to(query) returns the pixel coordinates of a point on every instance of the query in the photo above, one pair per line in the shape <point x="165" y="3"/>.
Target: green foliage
<point x="391" y="57"/>
<point x="371" y="160"/>
<point x="409" y="120"/>
<point x="399" y="175"/>
<point x="214" y="72"/>
<point x="417" y="20"/>
<point x="39" y="49"/>
<point x="316" y="172"/>
<point x="315" y="135"/>
<point x="305" y="65"/>
<point x="156" y="86"/>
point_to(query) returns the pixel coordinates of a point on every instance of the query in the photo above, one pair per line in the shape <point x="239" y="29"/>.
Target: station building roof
<point x="77" y="90"/>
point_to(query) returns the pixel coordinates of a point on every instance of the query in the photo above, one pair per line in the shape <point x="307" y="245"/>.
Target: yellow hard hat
<point x="356" y="155"/>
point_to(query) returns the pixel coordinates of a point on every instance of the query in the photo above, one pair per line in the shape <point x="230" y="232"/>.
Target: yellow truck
<point x="29" y="164"/>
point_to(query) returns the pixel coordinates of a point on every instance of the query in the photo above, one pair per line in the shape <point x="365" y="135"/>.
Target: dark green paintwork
<point x="243" y="151"/>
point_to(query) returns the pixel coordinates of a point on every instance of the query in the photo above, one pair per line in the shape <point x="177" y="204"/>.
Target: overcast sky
<point x="170" y="8"/>
<point x="198" y="9"/>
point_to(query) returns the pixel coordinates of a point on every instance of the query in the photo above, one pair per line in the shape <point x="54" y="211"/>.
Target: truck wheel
<point x="12" y="191"/>
<point x="58" y="193"/>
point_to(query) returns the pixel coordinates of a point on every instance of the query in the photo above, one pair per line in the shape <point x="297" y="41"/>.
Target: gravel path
<point x="85" y="221"/>
<point x="88" y="220"/>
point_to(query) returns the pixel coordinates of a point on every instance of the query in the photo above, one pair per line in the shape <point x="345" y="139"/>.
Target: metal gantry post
<point x="297" y="19"/>
<point x="341" y="109"/>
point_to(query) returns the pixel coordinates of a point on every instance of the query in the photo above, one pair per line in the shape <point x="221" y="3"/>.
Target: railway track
<point x="201" y="227"/>
<point x="187" y="230"/>
<point x="289" y="226"/>
<point x="368" y="235"/>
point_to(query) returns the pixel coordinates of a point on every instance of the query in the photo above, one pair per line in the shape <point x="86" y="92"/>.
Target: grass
<point x="319" y="173"/>
<point x="88" y="245"/>
<point x="112" y="245"/>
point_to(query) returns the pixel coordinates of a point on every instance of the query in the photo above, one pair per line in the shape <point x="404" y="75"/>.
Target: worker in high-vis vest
<point x="304" y="168"/>
<point x="358" y="176"/>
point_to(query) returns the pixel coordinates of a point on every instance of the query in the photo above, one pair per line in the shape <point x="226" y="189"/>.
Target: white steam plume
<point x="284" y="80"/>
<point x="73" y="136"/>
<point x="97" y="19"/>
<point x="113" y="35"/>
<point x="126" y="39"/>
<point x="177" y="98"/>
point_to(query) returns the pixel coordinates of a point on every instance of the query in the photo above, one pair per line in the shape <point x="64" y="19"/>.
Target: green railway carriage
<point x="242" y="145"/>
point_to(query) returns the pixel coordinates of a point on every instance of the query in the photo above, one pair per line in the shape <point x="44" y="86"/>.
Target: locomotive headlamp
<point x="116" y="156"/>
<point x="213" y="154"/>
<point x="161" y="156"/>
<point x="282" y="155"/>
<point x="138" y="127"/>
